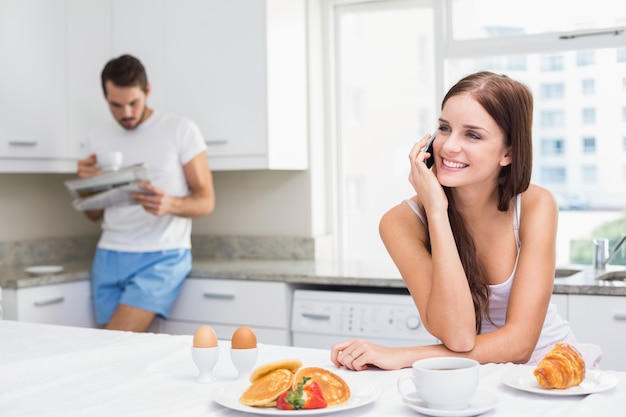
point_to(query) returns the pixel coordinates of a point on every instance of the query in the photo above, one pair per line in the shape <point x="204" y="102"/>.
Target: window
<point x="584" y="58"/>
<point x="589" y="144"/>
<point x="589" y="174"/>
<point x="552" y="63"/>
<point x="391" y="62"/>
<point x="552" y="90"/>
<point x="553" y="175"/>
<point x="589" y="116"/>
<point x="552" y="118"/>
<point x="475" y="19"/>
<point x="588" y="86"/>
<point x="552" y="146"/>
<point x="386" y="102"/>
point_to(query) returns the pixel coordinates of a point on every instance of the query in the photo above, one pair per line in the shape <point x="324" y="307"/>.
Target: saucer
<point x="481" y="402"/>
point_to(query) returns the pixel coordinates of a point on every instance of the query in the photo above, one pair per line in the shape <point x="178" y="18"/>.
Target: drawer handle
<point x="22" y="143"/>
<point x="319" y="317"/>
<point x="216" y="142"/>
<point x="51" y="301"/>
<point x="620" y="315"/>
<point x="219" y="296"/>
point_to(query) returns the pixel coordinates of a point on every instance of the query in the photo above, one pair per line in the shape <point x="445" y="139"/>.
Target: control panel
<point x="355" y="314"/>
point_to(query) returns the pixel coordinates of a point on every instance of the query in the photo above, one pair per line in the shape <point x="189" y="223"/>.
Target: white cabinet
<point x="236" y="67"/>
<point x="89" y="48"/>
<point x="32" y="79"/>
<point x="68" y="304"/>
<point x="601" y="320"/>
<point x="226" y="305"/>
<point x="49" y="81"/>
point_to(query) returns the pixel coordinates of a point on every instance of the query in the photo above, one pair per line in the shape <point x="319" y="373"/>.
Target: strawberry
<point x="306" y="396"/>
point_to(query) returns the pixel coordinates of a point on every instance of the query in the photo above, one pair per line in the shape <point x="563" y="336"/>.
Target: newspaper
<point x="108" y="189"/>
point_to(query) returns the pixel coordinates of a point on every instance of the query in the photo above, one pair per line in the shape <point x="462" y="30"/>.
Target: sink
<point x="565" y="272"/>
<point x="613" y="276"/>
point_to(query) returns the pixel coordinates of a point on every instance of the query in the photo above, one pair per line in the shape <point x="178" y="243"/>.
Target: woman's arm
<point x="528" y="302"/>
<point x="437" y="283"/>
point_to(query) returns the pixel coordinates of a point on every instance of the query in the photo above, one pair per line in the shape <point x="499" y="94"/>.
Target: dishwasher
<point x="321" y="318"/>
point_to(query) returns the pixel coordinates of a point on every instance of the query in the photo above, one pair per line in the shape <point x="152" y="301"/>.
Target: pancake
<point x="291" y="365"/>
<point x="266" y="389"/>
<point x="335" y="390"/>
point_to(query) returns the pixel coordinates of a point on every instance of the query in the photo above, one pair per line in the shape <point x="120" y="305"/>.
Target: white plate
<point x="522" y="378"/>
<point x="481" y="402"/>
<point x="228" y="396"/>
<point x="44" y="269"/>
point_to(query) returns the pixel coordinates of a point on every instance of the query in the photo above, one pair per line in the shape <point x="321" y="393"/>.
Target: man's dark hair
<point x="124" y="71"/>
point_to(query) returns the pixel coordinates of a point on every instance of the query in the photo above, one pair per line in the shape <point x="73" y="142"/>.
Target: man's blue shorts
<point x="146" y="280"/>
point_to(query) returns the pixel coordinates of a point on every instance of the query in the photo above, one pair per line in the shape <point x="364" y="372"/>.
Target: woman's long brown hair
<point x="510" y="104"/>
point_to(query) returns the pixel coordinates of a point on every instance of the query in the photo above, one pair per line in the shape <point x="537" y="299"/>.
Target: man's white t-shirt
<point x="164" y="142"/>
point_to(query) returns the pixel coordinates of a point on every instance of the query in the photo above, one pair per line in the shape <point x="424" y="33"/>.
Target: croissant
<point x="561" y="368"/>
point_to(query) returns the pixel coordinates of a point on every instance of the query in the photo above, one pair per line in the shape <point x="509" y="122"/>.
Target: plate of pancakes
<point x="258" y="395"/>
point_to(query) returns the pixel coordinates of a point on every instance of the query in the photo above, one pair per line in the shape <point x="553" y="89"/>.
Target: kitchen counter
<point x="69" y="371"/>
<point x="322" y="273"/>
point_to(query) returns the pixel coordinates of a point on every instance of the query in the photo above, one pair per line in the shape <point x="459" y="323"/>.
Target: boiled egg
<point x="243" y="338"/>
<point x="205" y="337"/>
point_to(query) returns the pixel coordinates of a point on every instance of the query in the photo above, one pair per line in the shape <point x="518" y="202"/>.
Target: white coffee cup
<point x="109" y="161"/>
<point x="446" y="383"/>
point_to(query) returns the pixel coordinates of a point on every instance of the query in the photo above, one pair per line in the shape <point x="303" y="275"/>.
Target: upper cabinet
<point x="33" y="122"/>
<point x="52" y="53"/>
<point x="236" y="67"/>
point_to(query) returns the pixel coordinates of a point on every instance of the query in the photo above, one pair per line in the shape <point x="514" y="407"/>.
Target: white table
<point x="64" y="371"/>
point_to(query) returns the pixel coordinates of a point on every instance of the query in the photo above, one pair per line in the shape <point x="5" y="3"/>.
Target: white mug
<point x="446" y="383"/>
<point x="109" y="161"/>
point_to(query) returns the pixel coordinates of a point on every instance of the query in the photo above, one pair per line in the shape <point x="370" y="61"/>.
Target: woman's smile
<point x="452" y="164"/>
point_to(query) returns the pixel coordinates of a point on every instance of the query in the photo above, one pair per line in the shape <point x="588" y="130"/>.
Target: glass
<point x="479" y="19"/>
<point x="386" y="89"/>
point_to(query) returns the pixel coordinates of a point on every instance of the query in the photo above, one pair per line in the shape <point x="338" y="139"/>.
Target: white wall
<point x="249" y="203"/>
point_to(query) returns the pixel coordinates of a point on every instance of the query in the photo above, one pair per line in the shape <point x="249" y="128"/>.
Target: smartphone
<point x="429" y="148"/>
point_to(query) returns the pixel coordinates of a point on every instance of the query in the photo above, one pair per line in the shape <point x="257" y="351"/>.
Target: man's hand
<point x="154" y="200"/>
<point x="87" y="167"/>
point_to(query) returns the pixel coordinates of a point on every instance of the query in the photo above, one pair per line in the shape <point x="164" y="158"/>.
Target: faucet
<point x="601" y="255"/>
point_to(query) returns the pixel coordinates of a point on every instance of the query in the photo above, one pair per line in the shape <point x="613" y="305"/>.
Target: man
<point x="144" y="253"/>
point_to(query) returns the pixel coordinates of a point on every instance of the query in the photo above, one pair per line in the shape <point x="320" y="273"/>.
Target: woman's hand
<point x="358" y="354"/>
<point x="424" y="179"/>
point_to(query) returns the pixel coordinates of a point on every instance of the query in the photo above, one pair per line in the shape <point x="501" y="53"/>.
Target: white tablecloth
<point x="63" y="371"/>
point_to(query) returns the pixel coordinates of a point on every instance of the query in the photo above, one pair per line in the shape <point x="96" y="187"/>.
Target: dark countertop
<point x="581" y="279"/>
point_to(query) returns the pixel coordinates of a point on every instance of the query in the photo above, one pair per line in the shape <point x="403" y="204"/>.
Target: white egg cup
<point x="244" y="359"/>
<point x="205" y="360"/>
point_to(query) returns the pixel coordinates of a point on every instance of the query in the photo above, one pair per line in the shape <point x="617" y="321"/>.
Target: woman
<point x="476" y="244"/>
